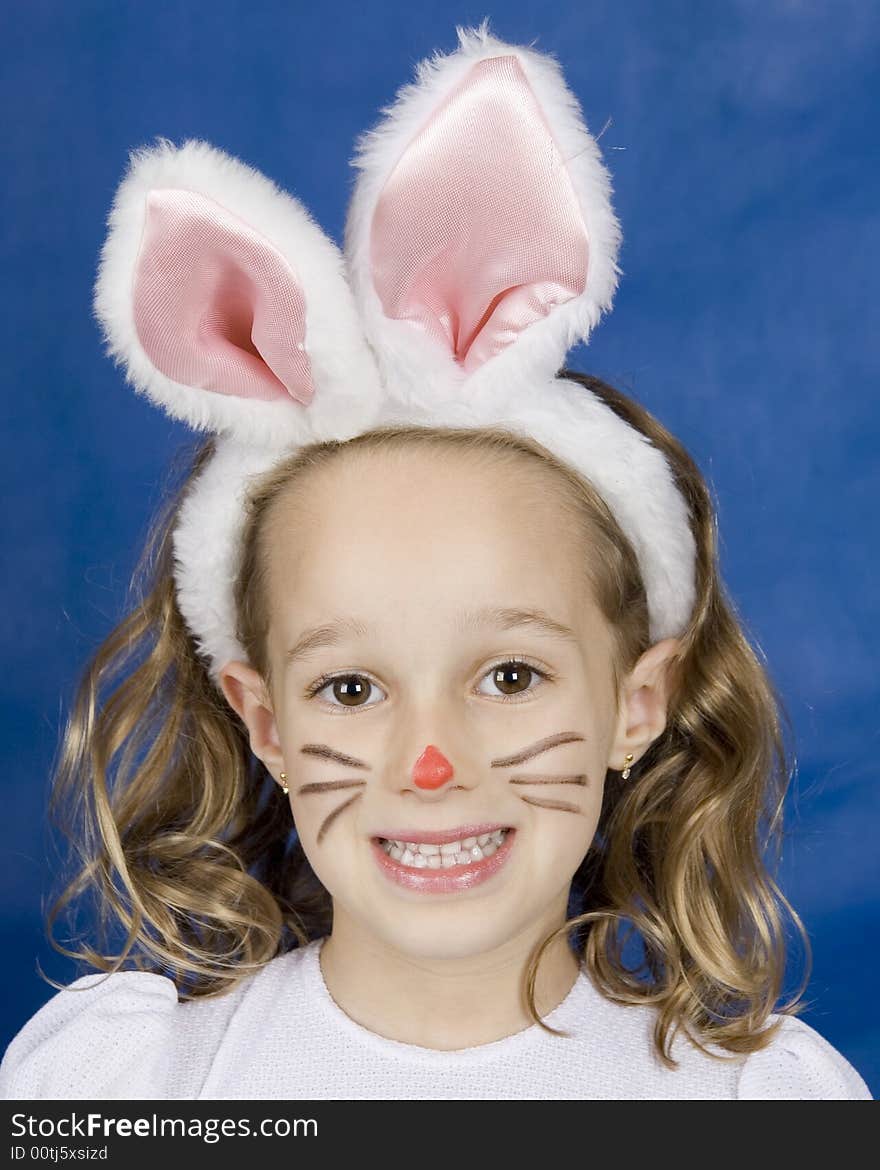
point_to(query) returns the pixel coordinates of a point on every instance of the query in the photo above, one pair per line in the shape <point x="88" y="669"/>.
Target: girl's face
<point x="419" y="696"/>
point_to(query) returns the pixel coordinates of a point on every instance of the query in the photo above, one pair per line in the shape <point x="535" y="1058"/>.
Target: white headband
<point x="480" y="245"/>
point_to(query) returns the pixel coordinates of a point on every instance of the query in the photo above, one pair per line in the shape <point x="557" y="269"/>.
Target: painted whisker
<point x="562" y="805"/>
<point x="322" y="751"/>
<point x="329" y="786"/>
<point x="579" y="779"/>
<point x="333" y="815"/>
<point x="536" y="749"/>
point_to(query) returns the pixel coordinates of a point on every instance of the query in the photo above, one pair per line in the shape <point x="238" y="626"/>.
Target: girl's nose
<point x="431" y="769"/>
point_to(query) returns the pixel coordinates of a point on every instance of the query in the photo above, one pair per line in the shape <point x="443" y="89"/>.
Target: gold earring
<point x="626" y="766"/>
<point x="282" y="776"/>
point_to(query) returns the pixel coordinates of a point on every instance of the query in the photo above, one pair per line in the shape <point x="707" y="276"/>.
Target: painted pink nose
<point x="431" y="769"/>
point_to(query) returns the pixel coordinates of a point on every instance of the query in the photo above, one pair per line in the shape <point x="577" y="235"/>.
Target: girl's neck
<point x="442" y="1003"/>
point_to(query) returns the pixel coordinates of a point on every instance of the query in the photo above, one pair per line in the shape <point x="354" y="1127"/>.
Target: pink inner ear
<point x="477" y="232"/>
<point x="216" y="306"/>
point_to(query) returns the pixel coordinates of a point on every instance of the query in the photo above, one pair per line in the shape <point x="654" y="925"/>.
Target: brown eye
<point x="511" y="678"/>
<point x="345" y="691"/>
<point x="350" y="689"/>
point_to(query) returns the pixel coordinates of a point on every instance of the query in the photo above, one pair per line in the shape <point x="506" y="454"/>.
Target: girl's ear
<point x="480" y="226"/>
<point x="644" y="705"/>
<point x="226" y="304"/>
<point x="245" y="691"/>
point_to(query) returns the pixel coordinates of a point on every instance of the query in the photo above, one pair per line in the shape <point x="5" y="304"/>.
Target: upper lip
<point x="440" y="836"/>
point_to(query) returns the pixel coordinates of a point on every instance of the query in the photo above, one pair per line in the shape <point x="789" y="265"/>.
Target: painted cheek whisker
<point x="543" y="745"/>
<point x="561" y="805"/>
<point x="324" y="752"/>
<point x="328" y="786"/>
<point x="333" y="815"/>
<point x="580" y="779"/>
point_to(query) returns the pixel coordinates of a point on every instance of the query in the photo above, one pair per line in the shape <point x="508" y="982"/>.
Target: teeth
<point x="432" y="856"/>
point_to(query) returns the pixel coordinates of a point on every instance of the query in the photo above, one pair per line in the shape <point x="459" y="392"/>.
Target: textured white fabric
<point x="280" y="1036"/>
<point x="514" y="254"/>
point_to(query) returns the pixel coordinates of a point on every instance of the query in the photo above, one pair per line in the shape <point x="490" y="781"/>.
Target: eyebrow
<point x="502" y="617"/>
<point x="329" y="634"/>
<point x="508" y="618"/>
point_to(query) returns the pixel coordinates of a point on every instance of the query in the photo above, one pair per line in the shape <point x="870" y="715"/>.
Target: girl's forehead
<point x="444" y="494"/>
<point x="439" y="535"/>
<point x="422" y="539"/>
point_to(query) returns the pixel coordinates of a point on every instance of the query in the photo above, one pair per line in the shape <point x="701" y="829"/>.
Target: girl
<point x="433" y="702"/>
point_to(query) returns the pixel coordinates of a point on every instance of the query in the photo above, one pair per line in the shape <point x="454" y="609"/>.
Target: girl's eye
<point x="348" y="690"/>
<point x="513" y="679"/>
<point x="510" y="680"/>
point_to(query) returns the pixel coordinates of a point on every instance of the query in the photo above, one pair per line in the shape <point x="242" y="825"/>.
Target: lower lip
<point x="444" y="881"/>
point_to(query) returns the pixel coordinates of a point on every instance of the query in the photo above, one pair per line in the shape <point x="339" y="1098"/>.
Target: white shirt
<point x="279" y="1035"/>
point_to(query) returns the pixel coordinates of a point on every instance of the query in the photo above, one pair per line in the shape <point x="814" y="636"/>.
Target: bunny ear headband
<point x="480" y="245"/>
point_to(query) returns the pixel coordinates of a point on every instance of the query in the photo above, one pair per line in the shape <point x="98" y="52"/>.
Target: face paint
<point x="431" y="769"/>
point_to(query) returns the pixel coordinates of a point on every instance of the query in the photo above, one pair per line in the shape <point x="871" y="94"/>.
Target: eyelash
<point x="326" y="679"/>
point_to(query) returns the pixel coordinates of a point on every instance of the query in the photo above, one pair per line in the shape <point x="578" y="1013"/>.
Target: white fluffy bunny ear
<point x="480" y="240"/>
<point x="227" y="305"/>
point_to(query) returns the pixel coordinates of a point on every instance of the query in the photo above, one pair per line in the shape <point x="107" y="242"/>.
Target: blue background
<point x="740" y="136"/>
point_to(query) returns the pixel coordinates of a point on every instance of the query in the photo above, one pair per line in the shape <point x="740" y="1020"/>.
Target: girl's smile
<point x="439" y="864"/>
